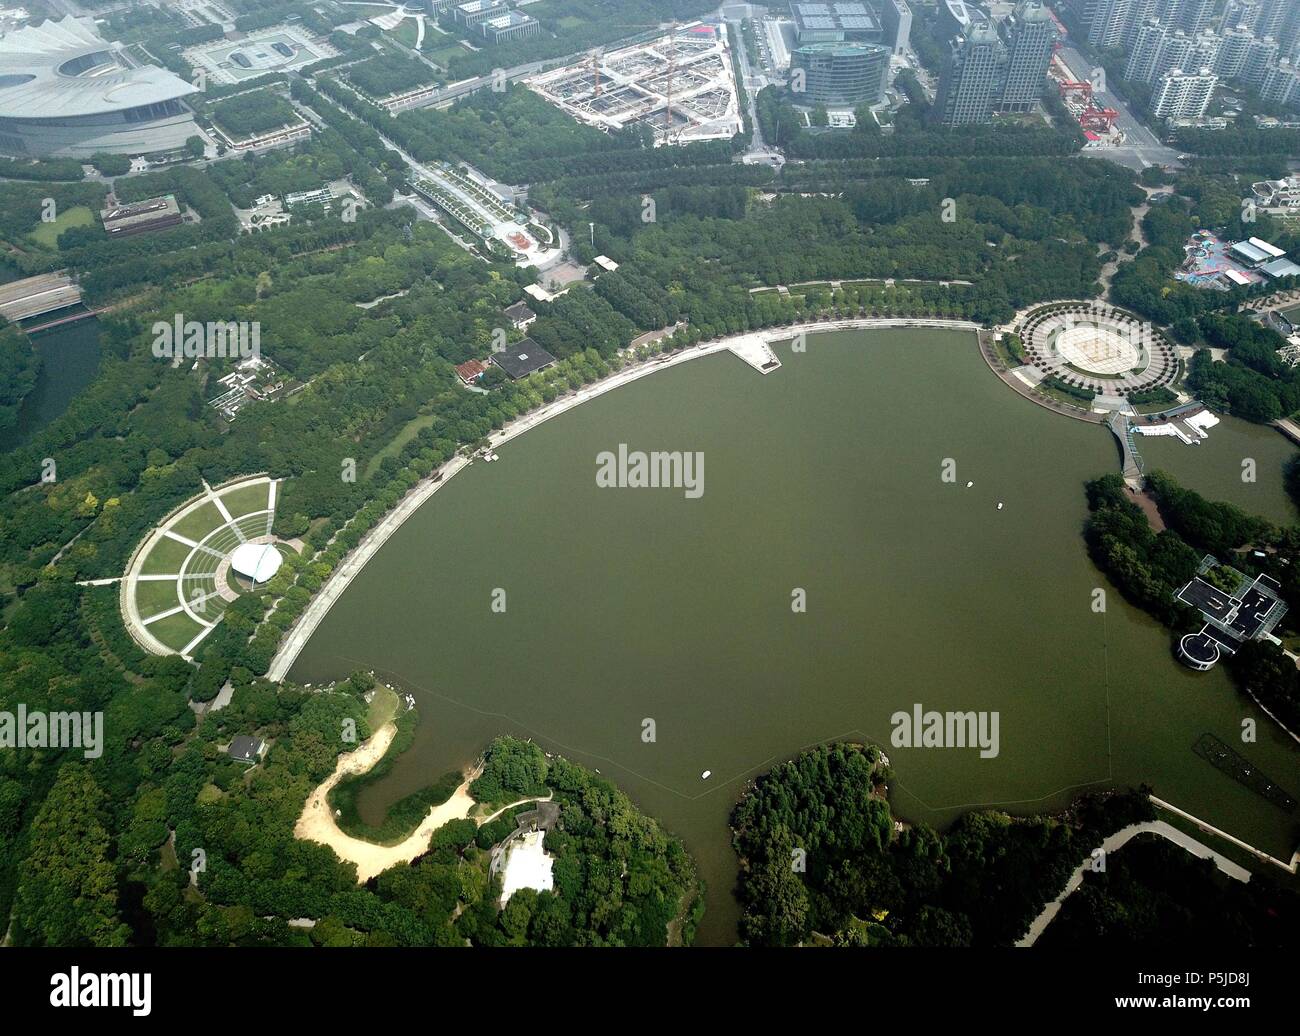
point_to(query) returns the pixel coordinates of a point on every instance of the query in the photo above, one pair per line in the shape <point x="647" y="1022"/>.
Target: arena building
<point x="66" y="92"/>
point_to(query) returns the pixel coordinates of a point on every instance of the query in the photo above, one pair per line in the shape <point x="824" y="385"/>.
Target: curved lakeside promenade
<point x="356" y="560"/>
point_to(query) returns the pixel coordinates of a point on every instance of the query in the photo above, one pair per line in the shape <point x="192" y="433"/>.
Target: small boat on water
<point x="706" y="775"/>
<point x="969" y="484"/>
<point x="999" y="505"/>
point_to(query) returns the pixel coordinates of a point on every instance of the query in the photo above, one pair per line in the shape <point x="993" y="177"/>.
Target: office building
<point x="896" y="17"/>
<point x="835" y="23"/>
<point x="841" y="75"/>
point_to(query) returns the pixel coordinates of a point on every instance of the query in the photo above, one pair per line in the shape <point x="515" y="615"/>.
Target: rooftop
<point x="522" y="359"/>
<point x="470" y="369"/>
<point x="65" y="69"/>
<point x="1281" y="268"/>
<point x="245" y="749"/>
<point x="122" y="218"/>
<point x="833" y="16"/>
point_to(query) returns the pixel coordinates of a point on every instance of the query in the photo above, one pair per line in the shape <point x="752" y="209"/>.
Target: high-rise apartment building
<point x="971" y="81"/>
<point x="1028" y="34"/>
<point x="1183" y="95"/>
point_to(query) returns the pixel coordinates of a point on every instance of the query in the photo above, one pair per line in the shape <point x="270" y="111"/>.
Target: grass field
<point x="157" y="595"/>
<point x="47" y="234"/>
<point x="409" y="431"/>
<point x="1292" y="314"/>
<point x="166" y="557"/>
<point x="199" y="522"/>
<point x="245" y="499"/>
<point x="175" y="631"/>
<point x="197" y="569"/>
<point x="406" y="32"/>
<point x="442" y="53"/>
<point x="383" y="707"/>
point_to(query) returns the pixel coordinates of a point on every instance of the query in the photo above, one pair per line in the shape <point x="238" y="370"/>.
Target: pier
<point x="755" y="351"/>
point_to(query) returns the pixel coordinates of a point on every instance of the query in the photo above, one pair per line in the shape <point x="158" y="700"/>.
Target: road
<point x="1141" y="146"/>
<point x="1118" y="840"/>
<point x="758" y="151"/>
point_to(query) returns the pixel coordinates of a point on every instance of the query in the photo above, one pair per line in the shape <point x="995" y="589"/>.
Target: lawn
<point x="167" y="556"/>
<point x="383" y="707"/>
<point x="409" y="431"/>
<point x="246" y="499"/>
<point x="47" y="234"/>
<point x="155" y="596"/>
<point x="406" y="32"/>
<point x="175" y="631"/>
<point x="199" y="522"/>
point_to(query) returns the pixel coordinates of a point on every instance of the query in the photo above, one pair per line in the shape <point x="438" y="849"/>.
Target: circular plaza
<point x="1097" y="347"/>
<point x="206" y="553"/>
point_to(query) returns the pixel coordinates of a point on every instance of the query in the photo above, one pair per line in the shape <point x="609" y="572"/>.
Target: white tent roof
<point x="256" y="561"/>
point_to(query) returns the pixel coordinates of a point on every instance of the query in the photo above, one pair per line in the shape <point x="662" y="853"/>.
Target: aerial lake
<point x="69" y="360"/>
<point x="628" y="604"/>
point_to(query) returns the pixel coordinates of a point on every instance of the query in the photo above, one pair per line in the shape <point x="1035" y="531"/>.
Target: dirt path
<point x="1108" y="271"/>
<point x="316" y="824"/>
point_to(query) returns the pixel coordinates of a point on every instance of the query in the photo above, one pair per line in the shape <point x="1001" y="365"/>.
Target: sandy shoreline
<point x="356" y="560"/>
<point x="316" y="823"/>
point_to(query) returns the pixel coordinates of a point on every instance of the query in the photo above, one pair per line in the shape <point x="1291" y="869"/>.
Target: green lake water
<point x="628" y="604"/>
<point x="69" y="361"/>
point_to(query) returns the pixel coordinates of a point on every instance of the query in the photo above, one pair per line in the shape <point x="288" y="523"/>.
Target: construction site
<point x="1095" y="119"/>
<point x="680" y="84"/>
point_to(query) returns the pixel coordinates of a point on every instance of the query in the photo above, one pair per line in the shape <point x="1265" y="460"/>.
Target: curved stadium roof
<point x="37" y="81"/>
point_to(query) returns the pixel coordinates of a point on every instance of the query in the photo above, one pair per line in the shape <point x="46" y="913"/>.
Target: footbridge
<point x="1123" y="431"/>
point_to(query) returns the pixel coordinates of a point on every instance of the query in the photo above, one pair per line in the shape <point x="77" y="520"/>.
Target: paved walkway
<point x="1117" y="840"/>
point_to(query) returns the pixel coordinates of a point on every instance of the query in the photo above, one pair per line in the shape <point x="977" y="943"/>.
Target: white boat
<point x="969" y="484"/>
<point x="999" y="505"/>
<point x="706" y="775"/>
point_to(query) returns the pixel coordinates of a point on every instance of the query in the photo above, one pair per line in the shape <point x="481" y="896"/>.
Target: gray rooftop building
<point x="835" y="23"/>
<point x="522" y="359"/>
<point x="1030" y="34"/>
